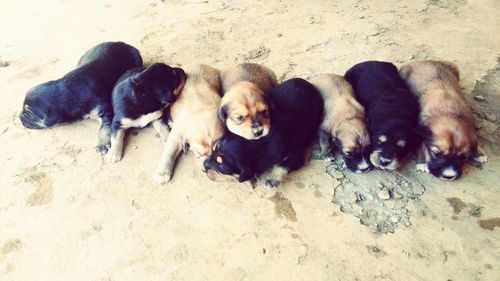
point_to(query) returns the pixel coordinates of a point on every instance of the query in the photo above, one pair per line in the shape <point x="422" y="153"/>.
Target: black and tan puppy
<point x="139" y="98"/>
<point x="244" y="107"/>
<point x="344" y="122"/>
<point x="391" y="110"/>
<point x="296" y="117"/>
<point x="83" y="92"/>
<point x="450" y="138"/>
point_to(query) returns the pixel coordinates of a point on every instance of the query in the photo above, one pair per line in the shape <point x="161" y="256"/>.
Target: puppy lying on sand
<point x="296" y="118"/>
<point x="245" y="107"/>
<point x="450" y="138"/>
<point x="194" y="120"/>
<point x="139" y="98"/>
<point x="83" y="92"/>
<point x="344" y="122"/>
<point x="391" y="110"/>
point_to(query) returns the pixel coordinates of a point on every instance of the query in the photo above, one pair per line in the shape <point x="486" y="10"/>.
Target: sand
<point x="65" y="214"/>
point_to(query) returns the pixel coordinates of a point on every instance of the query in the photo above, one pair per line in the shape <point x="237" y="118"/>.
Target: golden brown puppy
<point x="451" y="138"/>
<point x="194" y="120"/>
<point x="344" y="122"/>
<point x="244" y="107"/>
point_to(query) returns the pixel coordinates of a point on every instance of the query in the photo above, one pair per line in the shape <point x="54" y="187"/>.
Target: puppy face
<point x="38" y="109"/>
<point x="354" y="142"/>
<point x="451" y="144"/>
<point x="245" y="110"/>
<point x="161" y="81"/>
<point x="391" y="145"/>
<point x="226" y="162"/>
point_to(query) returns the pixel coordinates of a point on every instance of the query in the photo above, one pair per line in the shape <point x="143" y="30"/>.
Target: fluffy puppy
<point x="391" y="111"/>
<point x="450" y="139"/>
<point x="193" y="120"/>
<point x="139" y="98"/>
<point x="343" y="123"/>
<point x="244" y="107"/>
<point x="296" y="118"/>
<point x="83" y="92"/>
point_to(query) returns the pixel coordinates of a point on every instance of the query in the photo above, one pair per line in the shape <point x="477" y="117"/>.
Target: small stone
<point x="398" y="195"/>
<point x="491" y="117"/>
<point x="361" y="17"/>
<point x="394" y="219"/>
<point x="404" y="211"/>
<point x="353" y="197"/>
<point x="479" y="98"/>
<point x="380" y="185"/>
<point x="3" y="63"/>
<point x="411" y="57"/>
<point x="384" y="194"/>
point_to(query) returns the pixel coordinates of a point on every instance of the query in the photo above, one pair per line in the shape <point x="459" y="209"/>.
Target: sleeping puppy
<point x="450" y="135"/>
<point x="83" y="92"/>
<point x="244" y="107"/>
<point x="344" y="122"/>
<point x="296" y="117"/>
<point x="193" y="120"/>
<point x="391" y="111"/>
<point x="139" y="98"/>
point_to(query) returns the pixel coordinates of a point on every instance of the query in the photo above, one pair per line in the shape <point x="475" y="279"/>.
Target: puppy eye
<point x="401" y="143"/>
<point x="436" y="152"/>
<point x="239" y="118"/>
<point x="348" y="152"/>
<point x="219" y="159"/>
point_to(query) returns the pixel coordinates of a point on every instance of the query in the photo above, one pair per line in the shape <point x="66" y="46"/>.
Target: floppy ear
<point x="223" y="113"/>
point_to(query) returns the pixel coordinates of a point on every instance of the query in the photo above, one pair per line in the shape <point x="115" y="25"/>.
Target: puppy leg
<point x="324" y="146"/>
<point x="103" y="142"/>
<point x="422" y="160"/>
<point x="171" y="151"/>
<point x="116" y="150"/>
<point x="162" y="129"/>
<point x="289" y="164"/>
<point x="479" y="156"/>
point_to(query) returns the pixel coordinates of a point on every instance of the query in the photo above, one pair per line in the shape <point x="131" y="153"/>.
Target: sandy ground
<point x="65" y="214"/>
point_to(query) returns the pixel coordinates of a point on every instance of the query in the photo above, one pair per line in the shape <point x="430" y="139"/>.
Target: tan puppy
<point x="344" y="122"/>
<point x="451" y="137"/>
<point x="244" y="107"/>
<point x="194" y="120"/>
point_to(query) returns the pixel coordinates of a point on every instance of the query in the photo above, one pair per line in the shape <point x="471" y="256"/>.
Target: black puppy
<point x="296" y="114"/>
<point x="83" y="92"/>
<point x="391" y="110"/>
<point x="139" y="98"/>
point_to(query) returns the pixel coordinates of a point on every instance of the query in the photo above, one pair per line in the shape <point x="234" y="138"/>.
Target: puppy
<point x="344" y="122"/>
<point x="450" y="138"/>
<point x="391" y="110"/>
<point x="83" y="92"/>
<point x="193" y="120"/>
<point x="139" y="98"/>
<point x="296" y="117"/>
<point x="244" y="107"/>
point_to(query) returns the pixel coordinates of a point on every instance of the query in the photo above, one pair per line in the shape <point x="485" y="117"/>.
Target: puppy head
<point x="245" y="111"/>
<point x="38" y="112"/>
<point x="391" y="144"/>
<point x="354" y="142"/>
<point x="161" y="82"/>
<point x="227" y="162"/>
<point x="450" y="143"/>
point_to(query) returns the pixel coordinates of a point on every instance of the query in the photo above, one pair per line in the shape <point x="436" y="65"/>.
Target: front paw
<point x="161" y="177"/>
<point x="113" y="156"/>
<point x="422" y="167"/>
<point x="481" y="159"/>
<point x="102" y="149"/>
<point x="272" y="183"/>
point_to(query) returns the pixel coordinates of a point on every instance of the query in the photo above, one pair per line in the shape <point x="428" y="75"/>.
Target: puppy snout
<point x="384" y="161"/>
<point x="206" y="166"/>
<point x="450" y="174"/>
<point x="257" y="131"/>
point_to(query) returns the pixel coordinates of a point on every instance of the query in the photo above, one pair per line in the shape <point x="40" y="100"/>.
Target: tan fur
<point x="344" y="116"/>
<point x="194" y="119"/>
<point x="444" y="111"/>
<point x="245" y="87"/>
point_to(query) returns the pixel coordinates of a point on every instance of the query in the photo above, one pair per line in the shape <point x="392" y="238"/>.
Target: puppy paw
<point x="422" y="167"/>
<point x="102" y="149"/>
<point x="272" y="183"/>
<point x="161" y="177"/>
<point x="113" y="156"/>
<point x="481" y="159"/>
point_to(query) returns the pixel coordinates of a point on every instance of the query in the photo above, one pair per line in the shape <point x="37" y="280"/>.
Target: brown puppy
<point x="194" y="120"/>
<point x="451" y="139"/>
<point x="244" y="107"/>
<point x="344" y="122"/>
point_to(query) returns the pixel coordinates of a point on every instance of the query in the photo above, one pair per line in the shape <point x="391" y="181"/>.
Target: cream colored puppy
<point x="194" y="120"/>
<point x="344" y="122"/>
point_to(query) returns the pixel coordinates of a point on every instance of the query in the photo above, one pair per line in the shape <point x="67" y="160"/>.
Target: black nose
<point x="385" y="162"/>
<point x="257" y="132"/>
<point x="206" y="166"/>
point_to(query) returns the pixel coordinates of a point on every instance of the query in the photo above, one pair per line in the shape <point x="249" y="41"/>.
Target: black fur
<point x="86" y="89"/>
<point x="296" y="115"/>
<point x="144" y="90"/>
<point x="391" y="109"/>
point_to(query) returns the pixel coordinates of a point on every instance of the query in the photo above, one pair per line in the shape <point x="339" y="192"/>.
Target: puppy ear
<point x="223" y="113"/>
<point x="269" y="102"/>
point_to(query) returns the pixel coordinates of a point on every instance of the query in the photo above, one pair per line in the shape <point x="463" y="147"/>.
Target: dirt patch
<point x="12" y="245"/>
<point x="457" y="204"/>
<point x="283" y="207"/>
<point x="489" y="224"/>
<point x="44" y="191"/>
